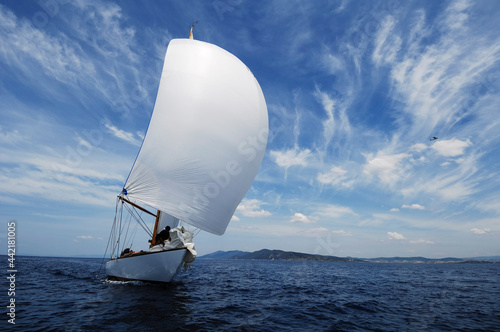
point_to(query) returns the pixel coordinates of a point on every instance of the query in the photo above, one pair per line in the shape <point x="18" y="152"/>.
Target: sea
<point x="72" y="294"/>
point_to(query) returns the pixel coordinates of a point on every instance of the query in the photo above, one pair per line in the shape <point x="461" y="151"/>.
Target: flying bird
<point x="433" y="138"/>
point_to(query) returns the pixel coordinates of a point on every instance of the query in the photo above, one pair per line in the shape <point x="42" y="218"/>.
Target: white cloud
<point x="456" y="17"/>
<point x="413" y="207"/>
<point x="384" y="164"/>
<point x="75" y="172"/>
<point x="303" y="219"/>
<point x="316" y="232"/>
<point x="292" y="157"/>
<point x="235" y="218"/>
<point x="332" y="63"/>
<point x="104" y="29"/>
<point x="490" y="204"/>
<point x="457" y="184"/>
<point x="419" y="147"/>
<point x="451" y="148"/>
<point x="85" y="237"/>
<point x="421" y="241"/>
<point x="453" y="191"/>
<point x="386" y="167"/>
<point x="251" y="208"/>
<point x="80" y="238"/>
<point x="24" y="46"/>
<point x="387" y="43"/>
<point x="480" y="231"/>
<point x="394" y="210"/>
<point x="141" y="135"/>
<point x="79" y="57"/>
<point x="12" y="137"/>
<point x="336" y="176"/>
<point x="395" y="236"/>
<point x="57" y="187"/>
<point x="435" y="82"/>
<point x="335" y="211"/>
<point x="329" y="123"/>
<point x="121" y="134"/>
<point x="337" y="122"/>
<point x="342" y="233"/>
<point x="10" y="200"/>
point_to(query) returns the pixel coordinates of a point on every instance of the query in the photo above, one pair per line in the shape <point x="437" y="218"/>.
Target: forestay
<point x="206" y="138"/>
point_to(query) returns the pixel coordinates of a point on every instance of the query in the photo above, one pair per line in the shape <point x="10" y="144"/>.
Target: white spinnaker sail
<point x="206" y="138"/>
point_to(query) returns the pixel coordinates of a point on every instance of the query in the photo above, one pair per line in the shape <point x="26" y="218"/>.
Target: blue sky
<point x="355" y="90"/>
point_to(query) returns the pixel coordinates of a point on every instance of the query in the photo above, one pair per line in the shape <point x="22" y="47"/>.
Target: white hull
<point x="161" y="266"/>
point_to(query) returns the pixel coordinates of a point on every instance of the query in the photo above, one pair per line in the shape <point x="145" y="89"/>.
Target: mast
<point x="155" y="229"/>
<point x="191" y="31"/>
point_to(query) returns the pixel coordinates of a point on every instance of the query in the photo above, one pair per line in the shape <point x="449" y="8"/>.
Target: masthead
<point x="191" y="31"/>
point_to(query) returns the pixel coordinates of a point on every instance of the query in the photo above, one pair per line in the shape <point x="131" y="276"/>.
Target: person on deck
<point x="163" y="235"/>
<point x="127" y="252"/>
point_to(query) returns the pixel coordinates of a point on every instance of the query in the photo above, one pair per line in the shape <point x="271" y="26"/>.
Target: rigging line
<point x="116" y="231"/>
<point x="132" y="236"/>
<point x="139" y="220"/>
<point x="148" y="231"/>
<point x="107" y="245"/>
<point x="125" y="238"/>
<point x="119" y="235"/>
<point x="132" y="232"/>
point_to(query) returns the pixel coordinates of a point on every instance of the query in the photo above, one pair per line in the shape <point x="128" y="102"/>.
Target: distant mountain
<point x="225" y="254"/>
<point x="266" y="254"/>
<point x="413" y="260"/>
<point x="292" y="256"/>
<point x="431" y="260"/>
<point x="486" y="258"/>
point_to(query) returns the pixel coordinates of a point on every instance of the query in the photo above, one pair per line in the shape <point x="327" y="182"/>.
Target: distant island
<point x="280" y="255"/>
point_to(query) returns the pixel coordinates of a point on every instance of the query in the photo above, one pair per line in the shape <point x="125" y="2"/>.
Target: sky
<point x="355" y="90"/>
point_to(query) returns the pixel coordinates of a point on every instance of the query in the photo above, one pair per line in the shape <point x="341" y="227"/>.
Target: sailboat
<point x="204" y="145"/>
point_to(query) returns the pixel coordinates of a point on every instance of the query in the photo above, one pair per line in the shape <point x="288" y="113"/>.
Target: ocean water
<point x="63" y="294"/>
